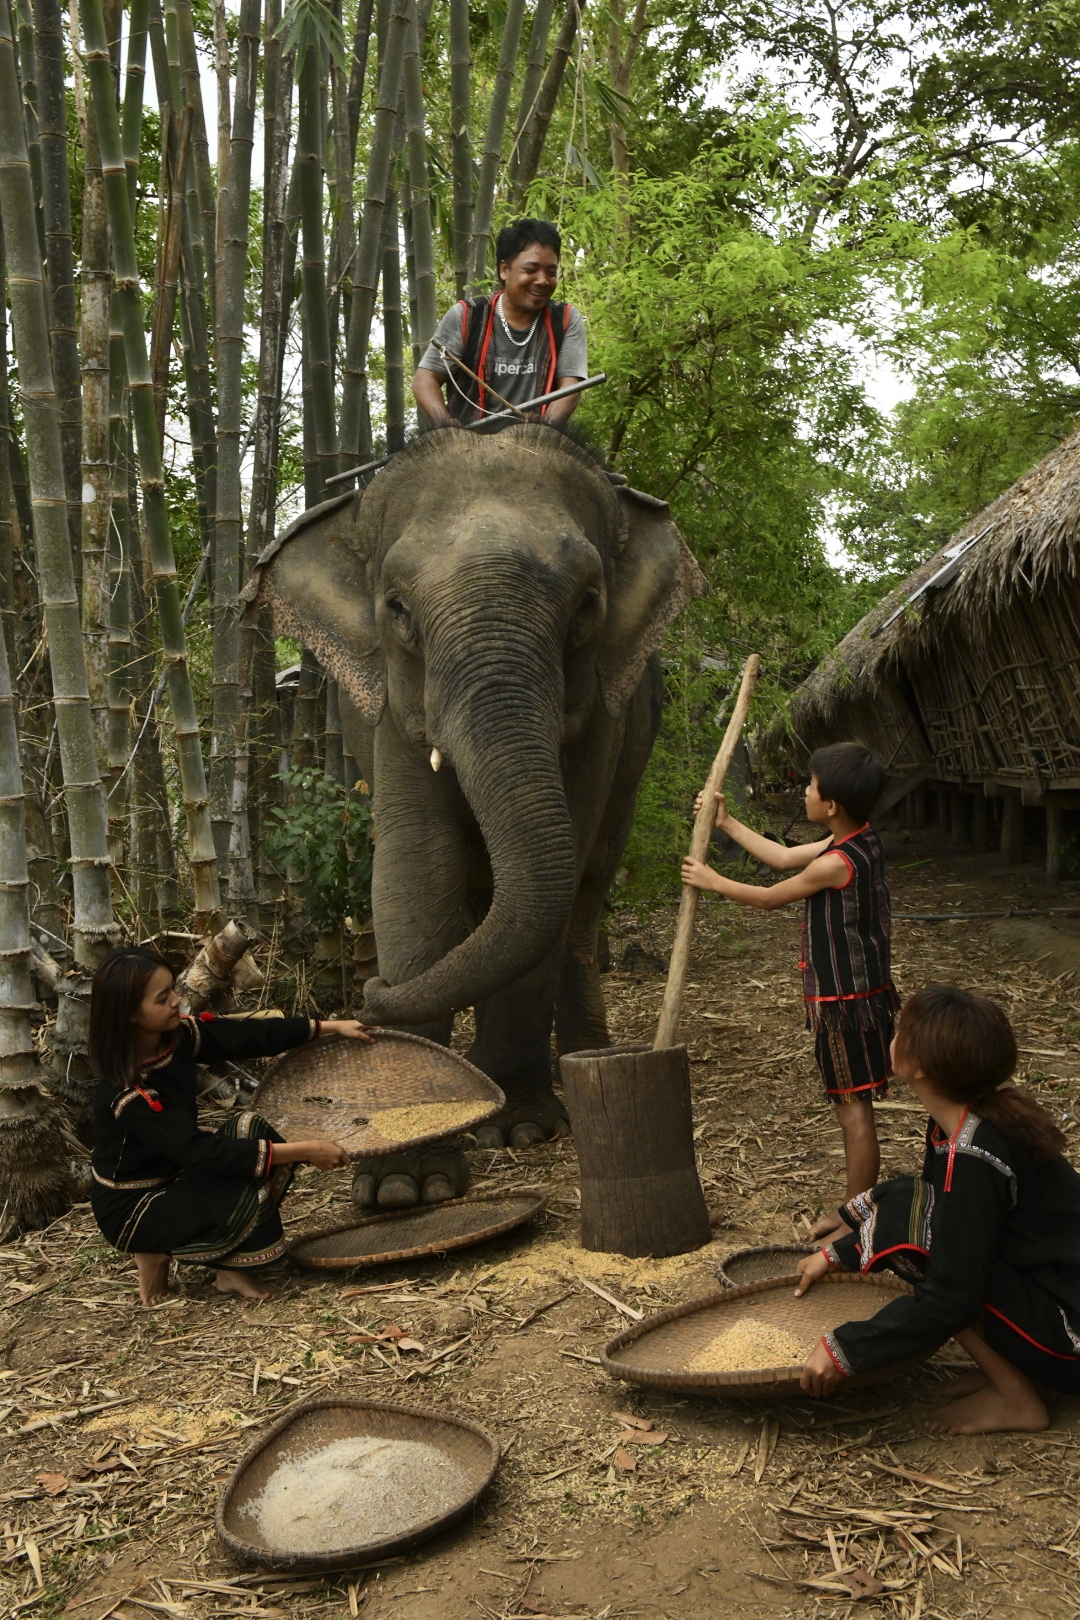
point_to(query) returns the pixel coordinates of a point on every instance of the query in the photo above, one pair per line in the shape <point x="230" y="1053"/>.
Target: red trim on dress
<point x="832" y="1358"/>
<point x="952" y="1155"/>
<point x="152" y="1102"/>
<point x="856" y="995"/>
<point x="1059" y="1355"/>
<point x="897" y="1248"/>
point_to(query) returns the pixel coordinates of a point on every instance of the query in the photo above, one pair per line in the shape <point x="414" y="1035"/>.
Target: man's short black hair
<point x="522" y="233"/>
<point x="849" y="773"/>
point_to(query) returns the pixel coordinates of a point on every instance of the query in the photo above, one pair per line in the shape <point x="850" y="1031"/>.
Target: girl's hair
<point x="115" y="996"/>
<point x="965" y="1046"/>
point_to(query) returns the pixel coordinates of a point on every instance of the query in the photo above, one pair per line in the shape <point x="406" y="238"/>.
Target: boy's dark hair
<point x="115" y="996"/>
<point x="522" y="233"/>
<point x="849" y="773"/>
<point x="965" y="1046"/>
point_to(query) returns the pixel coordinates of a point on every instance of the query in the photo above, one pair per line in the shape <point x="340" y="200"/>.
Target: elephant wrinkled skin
<point x="491" y="608"/>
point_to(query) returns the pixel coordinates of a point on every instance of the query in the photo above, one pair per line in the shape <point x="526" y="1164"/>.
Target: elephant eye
<point x="400" y="618"/>
<point x="584" y="620"/>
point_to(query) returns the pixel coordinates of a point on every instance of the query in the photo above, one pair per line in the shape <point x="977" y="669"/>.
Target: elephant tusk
<point x="436" y="759"/>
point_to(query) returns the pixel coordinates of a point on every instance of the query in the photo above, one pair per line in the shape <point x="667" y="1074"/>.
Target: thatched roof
<point x="1026" y="541"/>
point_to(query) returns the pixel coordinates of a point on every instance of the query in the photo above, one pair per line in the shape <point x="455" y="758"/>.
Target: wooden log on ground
<point x="633" y="1130"/>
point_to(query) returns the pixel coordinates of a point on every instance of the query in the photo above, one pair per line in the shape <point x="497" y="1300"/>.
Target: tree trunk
<point x="530" y="84"/>
<point x="174" y="648"/>
<point x="634" y="1134"/>
<point x="56" y="210"/>
<point x="533" y="147"/>
<point x="620" y="68"/>
<point x="369" y="246"/>
<point x="461" y="145"/>
<point x="496" y="125"/>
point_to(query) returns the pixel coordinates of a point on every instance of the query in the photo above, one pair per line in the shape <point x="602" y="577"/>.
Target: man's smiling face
<point x="530" y="279"/>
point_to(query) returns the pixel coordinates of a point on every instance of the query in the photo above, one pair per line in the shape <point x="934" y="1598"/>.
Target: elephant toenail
<point x="363" y="1191"/>
<point x="525" y="1134"/>
<point x="562" y="1128"/>
<point x="490" y="1136"/>
<point x="436" y="1189"/>
<point x="398" y="1192"/>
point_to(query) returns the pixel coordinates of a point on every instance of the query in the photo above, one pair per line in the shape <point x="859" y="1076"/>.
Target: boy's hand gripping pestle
<point x="667" y="1029"/>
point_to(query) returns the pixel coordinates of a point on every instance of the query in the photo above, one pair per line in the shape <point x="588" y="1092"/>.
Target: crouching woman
<point x="161" y="1187"/>
<point x="989" y="1234"/>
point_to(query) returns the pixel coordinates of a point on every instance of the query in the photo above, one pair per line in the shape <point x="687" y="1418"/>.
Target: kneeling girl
<point x="989" y="1233"/>
<point x="161" y="1187"/>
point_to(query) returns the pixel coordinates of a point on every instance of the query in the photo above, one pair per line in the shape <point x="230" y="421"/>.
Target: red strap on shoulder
<point x="464" y="306"/>
<point x="551" y="352"/>
<point x="566" y="317"/>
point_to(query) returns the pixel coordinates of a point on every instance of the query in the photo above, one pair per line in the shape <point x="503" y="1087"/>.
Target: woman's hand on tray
<point x="810" y="1269"/>
<point x="351" y="1029"/>
<point x="323" y="1155"/>
<point x="820" y="1374"/>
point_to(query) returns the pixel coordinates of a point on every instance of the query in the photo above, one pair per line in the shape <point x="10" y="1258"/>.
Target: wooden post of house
<point x="957" y="817"/>
<point x="980" y="823"/>
<point x="1012" y="826"/>
<point x="920" y="798"/>
<point x="1055" y="839"/>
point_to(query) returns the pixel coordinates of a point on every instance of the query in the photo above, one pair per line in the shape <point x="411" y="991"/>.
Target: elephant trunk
<point x="497" y="716"/>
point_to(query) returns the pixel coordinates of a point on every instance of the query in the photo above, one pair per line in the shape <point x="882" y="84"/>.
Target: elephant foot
<point x="542" y="1120"/>
<point x="403" y="1180"/>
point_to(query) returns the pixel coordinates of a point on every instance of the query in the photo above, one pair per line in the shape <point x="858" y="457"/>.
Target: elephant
<point x="491" y="606"/>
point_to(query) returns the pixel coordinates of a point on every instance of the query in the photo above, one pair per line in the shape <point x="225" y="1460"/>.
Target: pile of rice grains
<point x="423" y="1119"/>
<point x="747" y="1346"/>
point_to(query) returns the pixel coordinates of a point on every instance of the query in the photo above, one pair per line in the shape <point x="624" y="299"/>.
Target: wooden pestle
<point x="668" y="1027"/>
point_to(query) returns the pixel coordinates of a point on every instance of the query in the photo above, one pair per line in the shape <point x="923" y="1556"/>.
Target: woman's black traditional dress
<point x="847" y="980"/>
<point x="163" y="1186"/>
<point x="990" y="1238"/>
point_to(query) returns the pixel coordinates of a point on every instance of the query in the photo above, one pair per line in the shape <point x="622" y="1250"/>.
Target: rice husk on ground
<point x="729" y="1516"/>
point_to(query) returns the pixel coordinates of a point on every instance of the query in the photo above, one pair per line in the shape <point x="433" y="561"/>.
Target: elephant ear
<point x="316" y="581"/>
<point x="654" y="578"/>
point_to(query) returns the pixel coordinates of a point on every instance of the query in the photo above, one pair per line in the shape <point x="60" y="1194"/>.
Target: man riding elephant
<point x="491" y="607"/>
<point x="511" y="347"/>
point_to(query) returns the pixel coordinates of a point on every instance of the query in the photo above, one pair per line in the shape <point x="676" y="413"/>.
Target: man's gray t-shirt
<point x="518" y="374"/>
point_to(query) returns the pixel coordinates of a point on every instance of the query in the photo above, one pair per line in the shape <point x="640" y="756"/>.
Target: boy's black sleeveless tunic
<point x="160" y="1185"/>
<point x="847" y="974"/>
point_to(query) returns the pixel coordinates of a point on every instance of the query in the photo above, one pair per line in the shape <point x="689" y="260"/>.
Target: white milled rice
<point x="355" y="1491"/>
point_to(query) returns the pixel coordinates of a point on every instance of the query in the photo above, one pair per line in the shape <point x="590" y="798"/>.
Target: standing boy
<point x="850" y="999"/>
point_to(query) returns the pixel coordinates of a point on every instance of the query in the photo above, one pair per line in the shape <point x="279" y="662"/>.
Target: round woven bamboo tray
<point x="328" y="1090"/>
<point x="744" y="1266"/>
<point x="655" y="1353"/>
<point x="409" y="1234"/>
<point x="320" y="1423"/>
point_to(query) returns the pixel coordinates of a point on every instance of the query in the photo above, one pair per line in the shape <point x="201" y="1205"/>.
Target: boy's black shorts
<point x="854" y="1063"/>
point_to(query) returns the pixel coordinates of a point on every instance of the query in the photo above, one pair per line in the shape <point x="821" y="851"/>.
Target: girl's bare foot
<point x="238" y="1282"/>
<point x="153" y="1270"/>
<point x="966" y="1383"/>
<point x="991" y="1411"/>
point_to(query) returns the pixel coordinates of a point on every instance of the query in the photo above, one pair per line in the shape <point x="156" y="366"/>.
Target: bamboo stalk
<point x="393" y="353"/>
<point x="174" y="645"/>
<point x="134" y="94"/>
<point x="224" y="144"/>
<point x="533" y="146"/>
<point x="27" y="74"/>
<point x="358" y="70"/>
<point x="176" y="149"/>
<point x="96" y="281"/>
<point x="93" y="922"/>
<point x="203" y="175"/>
<point x="119" y="690"/>
<point x="496" y="126"/>
<point x="230" y="358"/>
<point x="530" y="84"/>
<point x="56" y="215"/>
<point x="309" y="168"/>
<point x="416" y="147"/>
<point x="461" y="145"/>
<point x="343" y="240"/>
<point x="668" y="1027"/>
<point x="369" y="246"/>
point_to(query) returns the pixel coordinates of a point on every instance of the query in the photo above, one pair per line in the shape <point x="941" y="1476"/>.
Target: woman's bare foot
<point x="966" y="1383"/>
<point x="991" y="1411"/>
<point x="238" y="1282"/>
<point x="153" y="1270"/>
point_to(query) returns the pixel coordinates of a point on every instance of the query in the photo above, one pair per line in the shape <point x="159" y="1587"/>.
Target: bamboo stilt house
<point x="965" y="680"/>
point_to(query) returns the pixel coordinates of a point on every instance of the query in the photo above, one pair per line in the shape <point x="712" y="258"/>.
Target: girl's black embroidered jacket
<point x="149" y="1132"/>
<point x="985" y="1221"/>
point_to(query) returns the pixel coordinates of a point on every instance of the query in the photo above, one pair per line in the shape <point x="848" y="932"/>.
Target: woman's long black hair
<point x="115" y="996"/>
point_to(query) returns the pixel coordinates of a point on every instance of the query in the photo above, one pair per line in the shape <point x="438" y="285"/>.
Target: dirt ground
<point x="121" y="1424"/>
